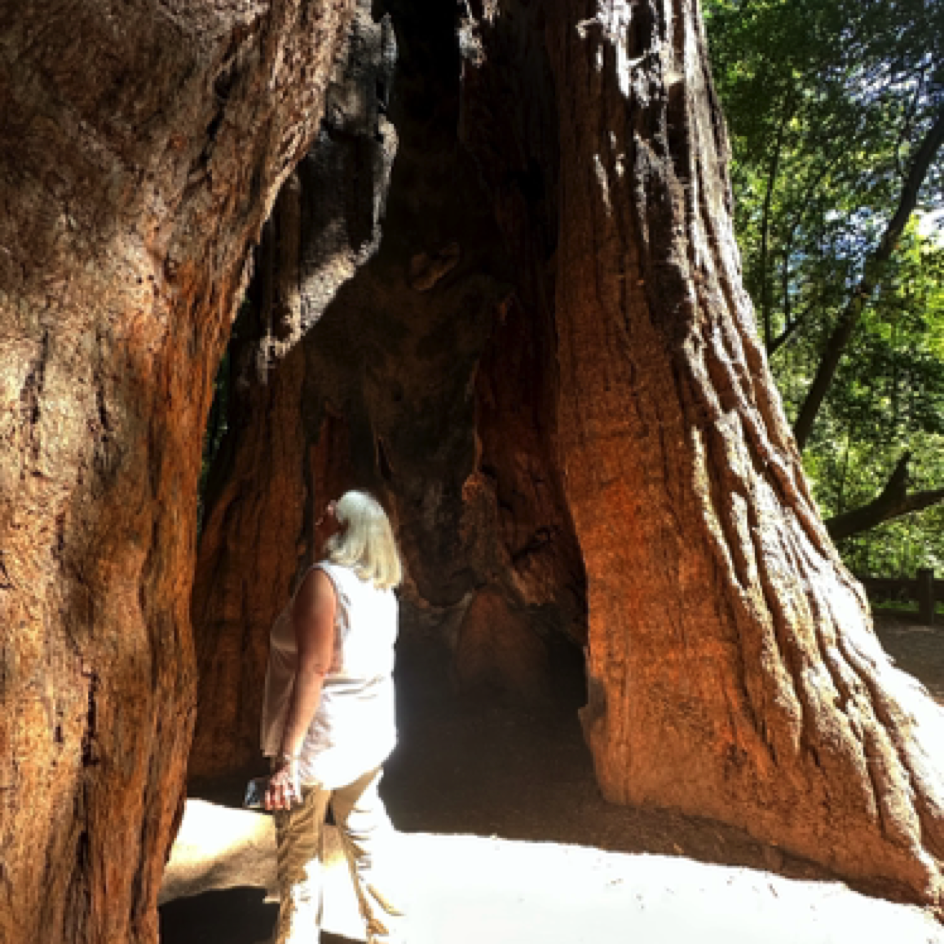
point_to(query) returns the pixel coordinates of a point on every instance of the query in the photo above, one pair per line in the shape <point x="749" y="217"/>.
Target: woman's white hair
<point x="365" y="542"/>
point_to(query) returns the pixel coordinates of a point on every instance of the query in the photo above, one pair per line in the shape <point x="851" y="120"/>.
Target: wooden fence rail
<point x="923" y="588"/>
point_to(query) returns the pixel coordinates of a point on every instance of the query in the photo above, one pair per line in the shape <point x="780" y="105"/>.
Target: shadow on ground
<point x="236" y="915"/>
<point x="227" y="916"/>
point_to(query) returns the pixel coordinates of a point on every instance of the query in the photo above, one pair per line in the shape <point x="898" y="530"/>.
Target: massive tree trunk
<point x="140" y="149"/>
<point x="733" y="672"/>
<point x="733" y="669"/>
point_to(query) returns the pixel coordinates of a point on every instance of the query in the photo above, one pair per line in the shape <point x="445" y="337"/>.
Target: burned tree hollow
<point x="414" y="369"/>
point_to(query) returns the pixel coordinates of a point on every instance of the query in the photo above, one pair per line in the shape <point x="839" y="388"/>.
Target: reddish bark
<point x="139" y="152"/>
<point x="734" y="671"/>
<point x="497" y="649"/>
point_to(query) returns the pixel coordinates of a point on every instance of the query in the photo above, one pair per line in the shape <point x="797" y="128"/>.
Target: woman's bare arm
<point x="313" y="623"/>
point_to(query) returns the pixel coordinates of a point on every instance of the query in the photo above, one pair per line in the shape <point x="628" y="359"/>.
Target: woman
<point x="328" y="719"/>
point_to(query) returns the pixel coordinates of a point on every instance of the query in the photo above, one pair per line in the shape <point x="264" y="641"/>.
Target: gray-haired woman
<point x="328" y="720"/>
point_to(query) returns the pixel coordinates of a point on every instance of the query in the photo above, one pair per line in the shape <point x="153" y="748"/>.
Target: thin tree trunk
<point x="766" y="304"/>
<point x="849" y="318"/>
<point x="139" y="154"/>
<point x="733" y="669"/>
<point x="791" y="323"/>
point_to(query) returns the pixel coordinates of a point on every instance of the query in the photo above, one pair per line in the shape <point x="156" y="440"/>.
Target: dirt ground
<point x="916" y="648"/>
<point x="506" y="838"/>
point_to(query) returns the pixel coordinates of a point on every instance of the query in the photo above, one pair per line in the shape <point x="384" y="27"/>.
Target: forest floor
<point x="506" y="840"/>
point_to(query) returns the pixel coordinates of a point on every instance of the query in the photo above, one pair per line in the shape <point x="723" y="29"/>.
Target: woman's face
<point x="327" y="524"/>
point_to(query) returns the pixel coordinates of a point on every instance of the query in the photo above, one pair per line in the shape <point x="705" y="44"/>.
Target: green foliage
<point x="827" y="102"/>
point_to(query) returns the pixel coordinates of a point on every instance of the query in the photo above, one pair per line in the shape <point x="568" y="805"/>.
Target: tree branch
<point x="893" y="502"/>
<point x="849" y="318"/>
<point x="784" y="336"/>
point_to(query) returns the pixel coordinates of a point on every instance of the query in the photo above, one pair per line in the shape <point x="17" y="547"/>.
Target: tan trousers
<point x="367" y="837"/>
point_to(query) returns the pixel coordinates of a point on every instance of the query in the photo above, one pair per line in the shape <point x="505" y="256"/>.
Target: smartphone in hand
<point x="255" y="793"/>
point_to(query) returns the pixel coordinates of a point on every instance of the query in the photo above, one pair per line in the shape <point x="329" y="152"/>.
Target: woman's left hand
<point x="284" y="789"/>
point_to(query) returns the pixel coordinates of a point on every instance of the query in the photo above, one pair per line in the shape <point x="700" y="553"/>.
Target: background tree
<point x="837" y="118"/>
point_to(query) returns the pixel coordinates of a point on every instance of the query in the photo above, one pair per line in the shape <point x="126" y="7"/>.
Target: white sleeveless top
<point x="354" y="728"/>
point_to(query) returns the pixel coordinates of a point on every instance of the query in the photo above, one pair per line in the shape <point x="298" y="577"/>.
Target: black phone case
<point x="255" y="793"/>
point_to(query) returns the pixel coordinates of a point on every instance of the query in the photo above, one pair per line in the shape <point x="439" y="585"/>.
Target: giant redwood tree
<point x="140" y="148"/>
<point x="732" y="667"/>
<point x="733" y="671"/>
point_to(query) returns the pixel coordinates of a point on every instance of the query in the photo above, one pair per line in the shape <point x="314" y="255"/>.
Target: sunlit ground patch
<point x="473" y="890"/>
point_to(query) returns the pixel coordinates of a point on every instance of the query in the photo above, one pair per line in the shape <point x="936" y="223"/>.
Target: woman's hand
<point x="284" y="789"/>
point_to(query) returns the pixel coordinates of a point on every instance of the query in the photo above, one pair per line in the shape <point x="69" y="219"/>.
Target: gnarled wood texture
<point x="140" y="149"/>
<point x="734" y="671"/>
<point x="259" y="495"/>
